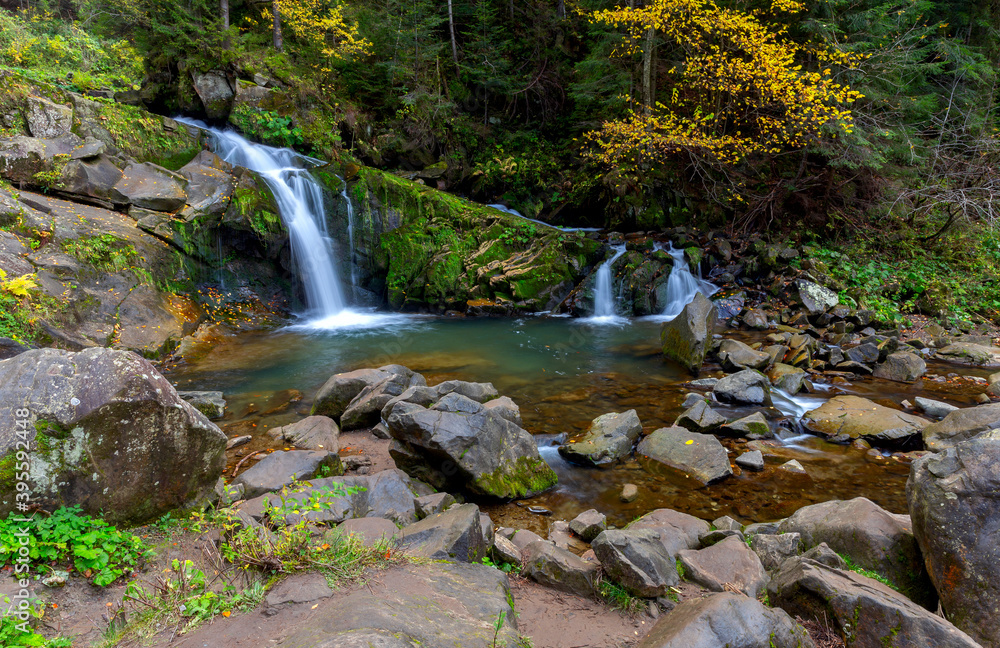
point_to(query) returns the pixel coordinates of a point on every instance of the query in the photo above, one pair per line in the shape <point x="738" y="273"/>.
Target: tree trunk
<point x="279" y="40"/>
<point x="451" y="27"/>
<point x="224" y="10"/>
<point x="561" y="10"/>
<point x="648" y="72"/>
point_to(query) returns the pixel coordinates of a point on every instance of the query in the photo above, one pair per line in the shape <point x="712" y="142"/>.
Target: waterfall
<point x="605" y="302"/>
<point x="300" y="202"/>
<point x="517" y="214"/>
<point x="350" y="233"/>
<point x="682" y="286"/>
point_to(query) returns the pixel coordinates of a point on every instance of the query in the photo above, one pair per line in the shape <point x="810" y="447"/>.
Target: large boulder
<point x="609" y="438"/>
<point x="729" y="620"/>
<point x="954" y="501"/>
<point x="460" y="443"/>
<point x="455" y="534"/>
<point x="846" y="418"/>
<point x="338" y="392"/>
<point x="736" y="356"/>
<point x="700" y="456"/>
<point x="726" y="564"/>
<point x="677" y="530"/>
<point x="152" y="187"/>
<point x="901" y="367"/>
<point x="93" y="178"/>
<point x="22" y="158"/>
<point x="815" y="298"/>
<point x="686" y="338"/>
<point x="866" y="612"/>
<point x="961" y="425"/>
<point x="365" y="409"/>
<point x="46" y="119"/>
<point x="545" y="563"/>
<point x="106" y="432"/>
<point x="746" y="387"/>
<point x="210" y="186"/>
<point x="215" y="92"/>
<point x="636" y="560"/>
<point x="871" y="537"/>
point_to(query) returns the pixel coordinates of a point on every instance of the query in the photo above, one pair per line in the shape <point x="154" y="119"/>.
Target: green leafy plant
<point x="17" y="634"/>
<point x="267" y="126"/>
<point x="506" y="568"/>
<point x="90" y="546"/>
<point x="617" y="597"/>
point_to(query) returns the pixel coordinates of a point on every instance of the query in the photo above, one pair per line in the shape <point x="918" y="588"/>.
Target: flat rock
<point x="847" y="418"/>
<point x="699" y="456"/>
<point x="609" y="438"/>
<point x="961" y="425"/>
<point x="727" y="563"/>
<point x="299" y="588"/>
<point x="932" y="408"/>
<point x="150" y="186"/>
<point x="281" y="468"/>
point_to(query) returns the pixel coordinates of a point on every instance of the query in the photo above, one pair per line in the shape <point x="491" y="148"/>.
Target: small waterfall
<point x="605" y="302"/>
<point x="514" y="212"/>
<point x="350" y="233"/>
<point x="682" y="286"/>
<point x="300" y="202"/>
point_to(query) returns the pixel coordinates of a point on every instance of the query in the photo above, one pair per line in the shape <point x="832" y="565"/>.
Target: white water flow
<point x="605" y="303"/>
<point x="514" y="212"/>
<point x="682" y="286"/>
<point x="350" y="232"/>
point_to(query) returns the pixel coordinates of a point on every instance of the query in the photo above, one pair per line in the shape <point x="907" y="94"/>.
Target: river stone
<point x="756" y="318"/>
<point x="728" y="620"/>
<point x="520" y="537"/>
<point x="589" y="524"/>
<point x="793" y="466"/>
<point x="815" y="298"/>
<point x="865" y="354"/>
<point x="479" y="392"/>
<point x="636" y="560"/>
<point x="871" y="537"/>
<point x="281" y="468"/>
<point x="700" y="456"/>
<point x="337" y="392"/>
<point x="311" y="433"/>
<point x="215" y="92"/>
<point x="685" y="339"/>
<point x="751" y="460"/>
<point x="845" y="418"/>
<point x="463" y="444"/>
<point x="609" y="438"/>
<point x="299" y="588"/>
<point x="431" y="605"/>
<point x="210" y="403"/>
<point x="748" y="387"/>
<point x="933" y="408"/>
<point x="867" y="612"/>
<point x="954" y="500"/>
<point x="547" y="564"/>
<point x="94" y="178"/>
<point x="775" y="549"/>
<point x="901" y="367"/>
<point x="365" y="409"/>
<point x="727" y="563"/>
<point x="961" y="425"/>
<point x="677" y="530"/>
<point x="110" y="434"/>
<point x="787" y="378"/>
<point x="47" y="120"/>
<point x="629" y="493"/>
<point x="754" y="426"/>
<point x="975" y="354"/>
<point x="455" y="534"/>
<point x="736" y="356"/>
<point x="700" y="417"/>
<point x="726" y="523"/>
<point x="427" y="505"/>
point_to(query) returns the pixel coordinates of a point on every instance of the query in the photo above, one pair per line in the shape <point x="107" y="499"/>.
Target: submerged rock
<point x="107" y="432"/>
<point x="609" y="438"/>
<point x="685" y="338"/>
<point x="845" y="418"/>
<point x="700" y="456"/>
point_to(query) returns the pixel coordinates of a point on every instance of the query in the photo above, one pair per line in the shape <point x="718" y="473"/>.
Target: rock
<point x="901" y="367"/>
<point x="110" y="435"/>
<point x="299" y="588"/>
<point x="21" y="158"/>
<point x="151" y="187"/>
<point x="934" y="409"/>
<point x="90" y="149"/>
<point x="729" y="620"/>
<point x="371" y="530"/>
<point x="356" y="463"/>
<point x="629" y="494"/>
<point x="636" y="560"/>
<point x="793" y="467"/>
<point x="479" y="392"/>
<point x="866" y="354"/>
<point x="455" y="534"/>
<point x="10" y="348"/>
<point x="281" y="468"/>
<point x="365" y="409"/>
<point x="148" y="323"/>
<point x="775" y="549"/>
<point x="236" y="442"/>
<point x="754" y="426"/>
<point x="700" y="417"/>
<point x="209" y="403"/>
<point x="431" y="605"/>
<point x="756" y="318"/>
<point x="718" y="535"/>
<point x="871" y="537"/>
<point x="311" y="433"/>
<point x="92" y="178"/>
<point x="685" y="339"/>
<point x="505" y="552"/>
<point x="210" y="186"/>
<point x="961" y="425"/>
<point x="815" y="298"/>
<point x="727" y="563"/>
<point x="953" y="500"/>
<point x="215" y="92"/>
<point x="589" y="524"/>
<point x="506" y="408"/>
<point x="751" y="460"/>
<point x="747" y="386"/>
<point x="520" y="537"/>
<point x="559" y="569"/>
<point x="700" y="456"/>
<point x="561" y="536"/>
<point x="975" y="354"/>
<point x="432" y="504"/>
<point x="845" y="418"/>
<point x="824" y="555"/>
<point x="337" y="392"/>
<point x="609" y="438"/>
<point x="787" y="378"/>
<point x="736" y="356"/>
<point x="677" y="530"/>
<point x="726" y="523"/>
<point x="867" y="612"/>
<point x="461" y="443"/>
<point x="47" y="120"/>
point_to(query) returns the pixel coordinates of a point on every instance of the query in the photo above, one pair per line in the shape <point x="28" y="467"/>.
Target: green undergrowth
<point x="149" y="137"/>
<point x="618" y="597"/>
<point x="854" y="567"/>
<point x="67" y="539"/>
<point x="15" y="633"/>
<point x="23" y="308"/>
<point x="109" y="254"/>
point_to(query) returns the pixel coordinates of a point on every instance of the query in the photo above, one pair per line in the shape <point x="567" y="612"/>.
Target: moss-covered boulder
<point x="105" y="431"/>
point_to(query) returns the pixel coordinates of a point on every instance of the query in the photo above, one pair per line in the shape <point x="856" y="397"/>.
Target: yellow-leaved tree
<point x="321" y="24"/>
<point x="737" y="86"/>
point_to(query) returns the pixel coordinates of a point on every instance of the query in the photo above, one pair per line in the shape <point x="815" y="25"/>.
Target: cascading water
<point x="350" y="232"/>
<point x="514" y="212"/>
<point x="682" y="286"/>
<point x="605" y="306"/>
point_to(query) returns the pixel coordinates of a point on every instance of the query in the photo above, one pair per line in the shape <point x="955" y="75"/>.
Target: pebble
<point x="630" y="493"/>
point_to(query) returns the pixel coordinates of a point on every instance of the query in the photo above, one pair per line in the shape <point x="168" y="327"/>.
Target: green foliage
<point x="22" y="308"/>
<point x="506" y="568"/>
<point x="854" y="567"/>
<point x="267" y="126"/>
<point x="91" y="546"/>
<point x="107" y="253"/>
<point x="52" y="179"/>
<point x="617" y="597"/>
<point x="15" y="635"/>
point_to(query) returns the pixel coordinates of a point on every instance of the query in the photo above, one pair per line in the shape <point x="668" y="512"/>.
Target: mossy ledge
<point x="525" y="477"/>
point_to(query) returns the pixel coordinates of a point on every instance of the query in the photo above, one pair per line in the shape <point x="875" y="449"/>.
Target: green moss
<point x="526" y="477"/>
<point x="146" y="137"/>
